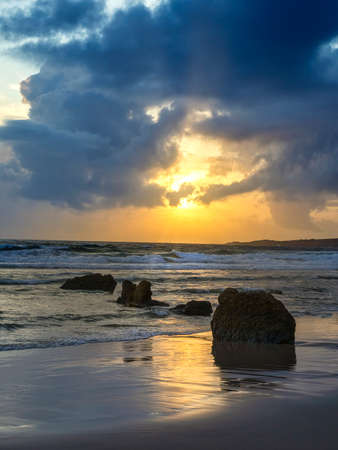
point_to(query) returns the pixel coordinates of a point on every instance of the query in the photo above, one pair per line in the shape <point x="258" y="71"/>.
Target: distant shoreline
<point x="266" y="244"/>
<point x="308" y="244"/>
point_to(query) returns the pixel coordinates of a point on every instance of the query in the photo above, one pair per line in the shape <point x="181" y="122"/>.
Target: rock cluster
<point x="91" y="282"/>
<point x="241" y="316"/>
<point x="252" y="316"/>
<point x="138" y="296"/>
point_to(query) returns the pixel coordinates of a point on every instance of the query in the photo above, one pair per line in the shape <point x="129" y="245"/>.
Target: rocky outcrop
<point x="91" y="282"/>
<point x="138" y="296"/>
<point x="194" y="308"/>
<point x="253" y="316"/>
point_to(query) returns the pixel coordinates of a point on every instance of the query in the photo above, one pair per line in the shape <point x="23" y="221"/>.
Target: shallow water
<point x="36" y="313"/>
<point x="106" y="386"/>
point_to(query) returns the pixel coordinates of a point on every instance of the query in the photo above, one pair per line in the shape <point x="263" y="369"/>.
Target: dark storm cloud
<point x="207" y="49"/>
<point x="85" y="170"/>
<point x="265" y="69"/>
<point x="298" y="149"/>
<point x="46" y="17"/>
<point x="174" y="197"/>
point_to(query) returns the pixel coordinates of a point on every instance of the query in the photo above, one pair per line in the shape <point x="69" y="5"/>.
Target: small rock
<point x="159" y="303"/>
<point x="91" y="282"/>
<point x="179" y="309"/>
<point x="142" y="294"/>
<point x="194" y="308"/>
<point x="128" y="289"/>
<point x="198" y="308"/>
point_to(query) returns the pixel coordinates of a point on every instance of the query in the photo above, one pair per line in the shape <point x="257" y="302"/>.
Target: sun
<point x="190" y="174"/>
<point x="186" y="203"/>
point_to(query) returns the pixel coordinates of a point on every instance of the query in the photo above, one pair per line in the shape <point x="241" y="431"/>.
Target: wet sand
<point x="174" y="391"/>
<point x="263" y="423"/>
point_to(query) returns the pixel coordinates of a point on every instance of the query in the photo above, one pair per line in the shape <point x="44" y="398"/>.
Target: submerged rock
<point x="252" y="316"/>
<point x="198" y="308"/>
<point x="159" y="303"/>
<point x="138" y="296"/>
<point x="194" y="308"/>
<point x="179" y="309"/>
<point x="91" y="282"/>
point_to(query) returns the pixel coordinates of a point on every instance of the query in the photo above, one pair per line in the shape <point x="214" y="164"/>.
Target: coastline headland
<point x="297" y="244"/>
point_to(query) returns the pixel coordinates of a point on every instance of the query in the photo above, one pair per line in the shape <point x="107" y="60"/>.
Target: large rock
<point x="194" y="308"/>
<point x="91" y="282"/>
<point x="138" y="296"/>
<point x="254" y="316"/>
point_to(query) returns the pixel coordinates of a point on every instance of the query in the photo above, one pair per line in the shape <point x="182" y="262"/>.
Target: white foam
<point x="279" y="260"/>
<point x="135" y="335"/>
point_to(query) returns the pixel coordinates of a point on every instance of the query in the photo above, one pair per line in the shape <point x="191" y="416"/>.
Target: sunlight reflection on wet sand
<point x="105" y="385"/>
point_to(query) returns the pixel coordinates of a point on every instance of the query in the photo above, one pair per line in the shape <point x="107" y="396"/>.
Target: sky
<point x="174" y="121"/>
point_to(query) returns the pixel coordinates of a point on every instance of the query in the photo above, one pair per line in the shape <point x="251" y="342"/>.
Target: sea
<point x="36" y="313"/>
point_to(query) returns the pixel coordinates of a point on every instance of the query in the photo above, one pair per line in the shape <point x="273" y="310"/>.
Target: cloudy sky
<point x="194" y="121"/>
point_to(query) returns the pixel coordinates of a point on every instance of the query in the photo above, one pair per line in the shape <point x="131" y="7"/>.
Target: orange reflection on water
<point x="185" y="376"/>
<point x="193" y="375"/>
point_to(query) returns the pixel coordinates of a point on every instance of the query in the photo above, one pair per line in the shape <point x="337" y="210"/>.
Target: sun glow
<point x="174" y="181"/>
<point x="185" y="203"/>
<point x="192" y="172"/>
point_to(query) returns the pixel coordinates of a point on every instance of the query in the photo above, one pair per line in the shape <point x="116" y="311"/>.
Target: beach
<point x="254" y="426"/>
<point x="168" y="225"/>
<point x="167" y="391"/>
<point x="79" y="370"/>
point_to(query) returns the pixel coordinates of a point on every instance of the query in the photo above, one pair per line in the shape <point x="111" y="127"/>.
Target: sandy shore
<point x="277" y="424"/>
<point x="174" y="391"/>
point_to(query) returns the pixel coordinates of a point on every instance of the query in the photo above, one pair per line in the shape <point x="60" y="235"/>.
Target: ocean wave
<point x="178" y="278"/>
<point x="123" y="325"/>
<point x="328" y="345"/>
<point x="327" y="277"/>
<point x="163" y="266"/>
<point x="14" y="247"/>
<point x="74" y="341"/>
<point x="57" y="258"/>
<point x="216" y="290"/>
<point x="92" y="248"/>
<point x="11" y="326"/>
<point x="14" y="282"/>
<point x="192" y="290"/>
<point x="77" y="317"/>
